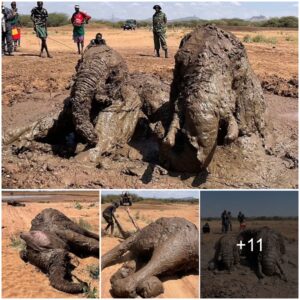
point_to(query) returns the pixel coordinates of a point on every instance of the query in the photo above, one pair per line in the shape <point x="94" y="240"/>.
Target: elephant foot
<point x="150" y="288"/>
<point x="126" y="270"/>
<point x="124" y="288"/>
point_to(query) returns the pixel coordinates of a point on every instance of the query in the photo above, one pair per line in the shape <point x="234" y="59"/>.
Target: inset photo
<point x="50" y="244"/>
<point x="249" y="244"/>
<point x="150" y="244"/>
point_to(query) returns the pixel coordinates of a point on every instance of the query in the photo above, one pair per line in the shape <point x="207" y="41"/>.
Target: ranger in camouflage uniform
<point x="159" y="30"/>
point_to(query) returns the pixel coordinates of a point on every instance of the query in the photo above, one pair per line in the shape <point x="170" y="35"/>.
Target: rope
<point x="60" y="43"/>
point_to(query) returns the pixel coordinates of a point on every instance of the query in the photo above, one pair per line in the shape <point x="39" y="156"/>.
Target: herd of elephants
<point x="103" y="110"/>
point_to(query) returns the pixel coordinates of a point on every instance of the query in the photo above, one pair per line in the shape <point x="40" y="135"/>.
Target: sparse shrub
<point x="289" y="38"/>
<point x="137" y="215"/>
<point x="77" y="205"/>
<point x="259" y="39"/>
<point x="54" y="20"/>
<point x="90" y="292"/>
<point x="247" y="38"/>
<point x="17" y="242"/>
<point x="93" y="271"/>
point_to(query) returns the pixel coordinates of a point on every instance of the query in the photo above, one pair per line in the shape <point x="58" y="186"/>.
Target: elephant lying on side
<point x="166" y="246"/>
<point x="48" y="243"/>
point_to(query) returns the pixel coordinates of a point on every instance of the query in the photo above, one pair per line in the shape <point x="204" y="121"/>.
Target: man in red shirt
<point x="78" y="20"/>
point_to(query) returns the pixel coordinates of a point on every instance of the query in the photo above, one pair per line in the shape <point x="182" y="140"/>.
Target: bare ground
<point x="34" y="87"/>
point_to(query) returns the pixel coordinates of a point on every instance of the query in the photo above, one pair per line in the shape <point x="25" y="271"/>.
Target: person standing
<point x="224" y="219"/>
<point x="78" y="20"/>
<point x="241" y="219"/>
<point x="39" y="17"/>
<point x="6" y="17"/>
<point x="159" y="31"/>
<point x="15" y="26"/>
<point x="229" y="220"/>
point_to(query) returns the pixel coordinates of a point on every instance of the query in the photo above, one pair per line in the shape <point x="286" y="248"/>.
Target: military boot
<point x="157" y="53"/>
<point x="166" y="53"/>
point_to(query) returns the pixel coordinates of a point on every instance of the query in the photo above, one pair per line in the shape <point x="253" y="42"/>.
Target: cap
<point x="156" y="6"/>
<point x="76" y="6"/>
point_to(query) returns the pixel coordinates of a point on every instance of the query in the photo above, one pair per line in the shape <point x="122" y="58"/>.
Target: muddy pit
<point x="243" y="282"/>
<point x="241" y="139"/>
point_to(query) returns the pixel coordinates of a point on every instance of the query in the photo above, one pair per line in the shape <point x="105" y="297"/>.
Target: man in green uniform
<point x="159" y="30"/>
<point x="39" y="16"/>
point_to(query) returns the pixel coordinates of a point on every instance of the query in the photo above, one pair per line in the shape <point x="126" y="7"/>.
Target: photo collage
<point x="156" y="150"/>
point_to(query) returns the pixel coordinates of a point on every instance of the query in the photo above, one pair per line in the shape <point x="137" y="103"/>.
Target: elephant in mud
<point x="265" y="255"/>
<point x="213" y="99"/>
<point x="51" y="238"/>
<point x="166" y="246"/>
<point x="226" y="254"/>
<point x="268" y="251"/>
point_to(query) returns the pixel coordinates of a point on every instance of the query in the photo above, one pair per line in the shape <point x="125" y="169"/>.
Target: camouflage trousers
<point x="160" y="39"/>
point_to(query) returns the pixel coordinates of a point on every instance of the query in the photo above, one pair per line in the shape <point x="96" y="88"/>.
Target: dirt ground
<point x="243" y="282"/>
<point x="33" y="87"/>
<point x="185" y="287"/>
<point x="21" y="280"/>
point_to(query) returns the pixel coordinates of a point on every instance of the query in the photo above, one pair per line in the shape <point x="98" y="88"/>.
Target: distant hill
<point x="258" y="18"/>
<point x="186" y="19"/>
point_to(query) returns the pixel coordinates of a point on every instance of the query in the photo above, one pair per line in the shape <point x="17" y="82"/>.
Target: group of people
<point x="226" y="219"/>
<point x="11" y="32"/>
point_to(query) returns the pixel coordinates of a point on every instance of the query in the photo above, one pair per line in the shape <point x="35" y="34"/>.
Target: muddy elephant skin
<point x="215" y="97"/>
<point x="48" y="245"/>
<point x="166" y="246"/>
<point x="226" y="253"/>
<point x="268" y="261"/>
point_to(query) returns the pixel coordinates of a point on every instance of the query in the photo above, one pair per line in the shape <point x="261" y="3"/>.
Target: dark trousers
<point x="7" y="41"/>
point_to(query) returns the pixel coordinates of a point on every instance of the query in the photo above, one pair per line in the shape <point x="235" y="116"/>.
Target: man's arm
<point x="32" y="16"/>
<point x="86" y="17"/>
<point x="72" y="18"/>
<point x="46" y="13"/>
<point x="9" y="15"/>
<point x="165" y="19"/>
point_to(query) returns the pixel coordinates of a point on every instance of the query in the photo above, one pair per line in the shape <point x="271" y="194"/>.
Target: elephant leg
<point x="59" y="274"/>
<point x="170" y="256"/>
<point x="114" y="255"/>
<point x="281" y="272"/>
<point x="259" y="267"/>
<point x="232" y="130"/>
<point x="81" y="244"/>
<point x="74" y="227"/>
<point x="126" y="270"/>
<point x="169" y="140"/>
